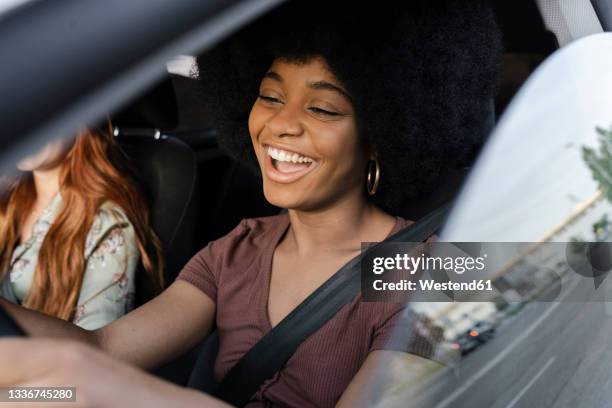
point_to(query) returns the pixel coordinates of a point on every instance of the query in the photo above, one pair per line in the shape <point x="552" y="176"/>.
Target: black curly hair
<point x="421" y="77"/>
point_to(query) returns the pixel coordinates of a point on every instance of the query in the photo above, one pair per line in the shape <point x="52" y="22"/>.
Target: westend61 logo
<point x="473" y="272"/>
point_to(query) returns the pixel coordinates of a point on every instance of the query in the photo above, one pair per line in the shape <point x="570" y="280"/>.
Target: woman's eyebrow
<point x="329" y="87"/>
<point x="324" y="85"/>
<point x="273" y="75"/>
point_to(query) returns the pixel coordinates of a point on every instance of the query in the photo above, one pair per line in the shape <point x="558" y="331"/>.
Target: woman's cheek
<point x="252" y="131"/>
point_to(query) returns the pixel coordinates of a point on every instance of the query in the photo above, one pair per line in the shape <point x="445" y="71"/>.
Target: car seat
<point x="166" y="169"/>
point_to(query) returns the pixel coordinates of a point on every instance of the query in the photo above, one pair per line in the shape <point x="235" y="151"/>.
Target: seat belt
<point x="271" y="353"/>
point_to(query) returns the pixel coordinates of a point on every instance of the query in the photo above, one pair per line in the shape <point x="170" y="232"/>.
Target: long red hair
<point x="92" y="173"/>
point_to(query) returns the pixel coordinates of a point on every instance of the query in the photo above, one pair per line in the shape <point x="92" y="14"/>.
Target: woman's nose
<point x="285" y="122"/>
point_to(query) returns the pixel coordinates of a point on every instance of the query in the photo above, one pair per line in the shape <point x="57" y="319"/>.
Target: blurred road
<point x="548" y="355"/>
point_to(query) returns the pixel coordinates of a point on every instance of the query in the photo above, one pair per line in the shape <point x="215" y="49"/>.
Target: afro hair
<point x="421" y="76"/>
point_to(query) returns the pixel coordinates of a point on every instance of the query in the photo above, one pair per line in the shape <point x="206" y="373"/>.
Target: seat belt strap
<point x="271" y="353"/>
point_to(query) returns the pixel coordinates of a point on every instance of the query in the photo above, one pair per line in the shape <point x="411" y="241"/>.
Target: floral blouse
<point x="111" y="257"/>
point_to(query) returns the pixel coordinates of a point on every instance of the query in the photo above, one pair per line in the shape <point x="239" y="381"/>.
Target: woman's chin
<point x="286" y="197"/>
<point x="25" y="167"/>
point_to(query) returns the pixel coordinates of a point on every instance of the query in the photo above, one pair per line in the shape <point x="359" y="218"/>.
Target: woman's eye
<point x="323" y="111"/>
<point x="271" y="99"/>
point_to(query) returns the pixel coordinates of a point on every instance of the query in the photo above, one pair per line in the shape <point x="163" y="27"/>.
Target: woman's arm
<point x="376" y="375"/>
<point x="108" y="282"/>
<point x="151" y="335"/>
<point x="99" y="380"/>
<point x="38" y="324"/>
<point x="111" y="255"/>
<point x="162" y="329"/>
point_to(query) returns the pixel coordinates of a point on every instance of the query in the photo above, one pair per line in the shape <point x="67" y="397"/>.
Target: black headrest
<point x="167" y="170"/>
<point x="157" y="108"/>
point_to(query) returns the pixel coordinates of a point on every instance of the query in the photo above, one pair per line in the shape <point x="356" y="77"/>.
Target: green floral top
<point x="111" y="257"/>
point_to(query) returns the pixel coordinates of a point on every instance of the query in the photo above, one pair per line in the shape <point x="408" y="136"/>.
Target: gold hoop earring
<point x="373" y="179"/>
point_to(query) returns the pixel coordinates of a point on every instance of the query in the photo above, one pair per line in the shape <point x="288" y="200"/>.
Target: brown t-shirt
<point x="235" y="271"/>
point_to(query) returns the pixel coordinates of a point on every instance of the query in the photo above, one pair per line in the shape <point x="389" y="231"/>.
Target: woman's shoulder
<point x="236" y="252"/>
<point x="256" y="227"/>
<point x="251" y="234"/>
<point x="108" y="217"/>
<point x="401" y="223"/>
<point x="112" y="212"/>
<point x="109" y="223"/>
<point x="264" y="225"/>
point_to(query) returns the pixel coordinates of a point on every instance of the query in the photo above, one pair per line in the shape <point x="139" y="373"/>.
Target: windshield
<point x="538" y="198"/>
<point x="7" y="5"/>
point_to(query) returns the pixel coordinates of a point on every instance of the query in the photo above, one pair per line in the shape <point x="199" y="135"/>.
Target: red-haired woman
<point x="72" y="229"/>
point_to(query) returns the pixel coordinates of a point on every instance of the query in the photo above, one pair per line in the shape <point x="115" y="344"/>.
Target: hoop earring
<point x="373" y="179"/>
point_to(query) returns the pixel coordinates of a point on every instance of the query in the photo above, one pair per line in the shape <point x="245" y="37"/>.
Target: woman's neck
<point x="341" y="227"/>
<point x="46" y="183"/>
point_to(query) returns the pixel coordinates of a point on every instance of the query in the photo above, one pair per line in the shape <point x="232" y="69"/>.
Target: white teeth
<point x="282" y="155"/>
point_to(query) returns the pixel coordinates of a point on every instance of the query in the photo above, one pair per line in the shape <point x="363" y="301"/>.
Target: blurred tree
<point x="600" y="161"/>
<point x="602" y="227"/>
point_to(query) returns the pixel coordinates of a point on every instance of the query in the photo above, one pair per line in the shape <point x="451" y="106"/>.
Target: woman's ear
<point x="370" y="153"/>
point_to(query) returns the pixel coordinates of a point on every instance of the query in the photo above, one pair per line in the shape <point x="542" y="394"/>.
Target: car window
<point x="7" y="5"/>
<point x="542" y="190"/>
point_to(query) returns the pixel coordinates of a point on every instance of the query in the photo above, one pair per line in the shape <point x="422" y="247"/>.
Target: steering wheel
<point x="8" y="326"/>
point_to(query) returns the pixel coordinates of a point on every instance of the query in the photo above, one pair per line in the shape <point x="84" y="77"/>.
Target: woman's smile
<point x="286" y="166"/>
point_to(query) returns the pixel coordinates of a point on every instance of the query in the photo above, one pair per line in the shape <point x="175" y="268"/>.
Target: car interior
<point x="199" y="193"/>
